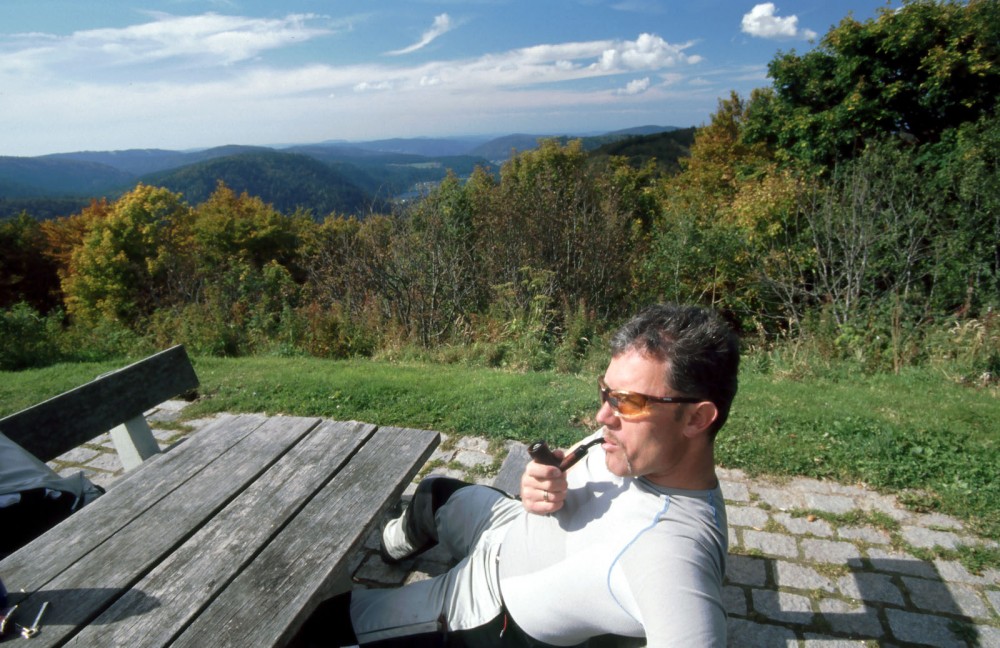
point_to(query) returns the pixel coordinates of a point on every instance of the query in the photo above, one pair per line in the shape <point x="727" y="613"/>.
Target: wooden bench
<point x="115" y="401"/>
<point x="508" y="478"/>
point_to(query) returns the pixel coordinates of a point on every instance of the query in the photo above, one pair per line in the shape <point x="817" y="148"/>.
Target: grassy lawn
<point x="917" y="434"/>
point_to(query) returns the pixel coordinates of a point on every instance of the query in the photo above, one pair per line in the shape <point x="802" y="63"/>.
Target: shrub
<point x="29" y="338"/>
<point x="102" y="339"/>
<point x="331" y="333"/>
<point x="579" y="333"/>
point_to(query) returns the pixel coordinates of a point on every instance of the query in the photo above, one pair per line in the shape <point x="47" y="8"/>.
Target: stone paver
<point x="804" y="525"/>
<point x="792" y="578"/>
<point x="923" y="629"/>
<point x="783" y="606"/>
<point x="853" y="619"/>
<point x="919" y="536"/>
<point x="746" y="570"/>
<point x="773" y="544"/>
<point x="831" y="551"/>
<point x="796" y="576"/>
<point x="871" y="588"/>
<point x="994" y="598"/>
<point x="746" y="516"/>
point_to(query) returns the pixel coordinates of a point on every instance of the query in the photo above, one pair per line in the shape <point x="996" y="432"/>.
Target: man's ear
<point x="700" y="418"/>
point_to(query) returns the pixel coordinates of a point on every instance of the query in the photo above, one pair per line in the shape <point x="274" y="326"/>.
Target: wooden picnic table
<point x="231" y="538"/>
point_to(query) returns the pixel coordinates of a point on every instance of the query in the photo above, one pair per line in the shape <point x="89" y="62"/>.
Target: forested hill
<point x="664" y="149"/>
<point x="325" y="178"/>
<point x="286" y="180"/>
<point x="56" y="177"/>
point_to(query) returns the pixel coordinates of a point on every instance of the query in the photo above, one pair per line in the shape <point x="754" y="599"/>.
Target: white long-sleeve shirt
<point x="622" y="556"/>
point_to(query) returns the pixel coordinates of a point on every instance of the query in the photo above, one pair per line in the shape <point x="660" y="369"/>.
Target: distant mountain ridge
<point x="288" y="181"/>
<point x="54" y="177"/>
<point x="327" y="177"/>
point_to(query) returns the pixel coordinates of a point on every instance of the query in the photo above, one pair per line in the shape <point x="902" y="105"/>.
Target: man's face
<point x="653" y="445"/>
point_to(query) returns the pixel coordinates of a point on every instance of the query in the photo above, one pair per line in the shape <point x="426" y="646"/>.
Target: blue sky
<point x="181" y="74"/>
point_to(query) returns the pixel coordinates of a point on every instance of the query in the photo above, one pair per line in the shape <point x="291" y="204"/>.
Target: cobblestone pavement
<point x="812" y="563"/>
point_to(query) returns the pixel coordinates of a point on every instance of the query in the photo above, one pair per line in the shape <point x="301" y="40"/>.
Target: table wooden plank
<point x="37" y="563"/>
<point x="89" y="586"/>
<point x="268" y="602"/>
<point x="193" y="575"/>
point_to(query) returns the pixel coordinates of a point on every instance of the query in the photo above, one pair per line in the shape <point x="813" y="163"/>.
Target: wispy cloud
<point x="639" y="6"/>
<point x="210" y="77"/>
<point x="209" y="38"/>
<point x="442" y="25"/>
<point x="762" y="22"/>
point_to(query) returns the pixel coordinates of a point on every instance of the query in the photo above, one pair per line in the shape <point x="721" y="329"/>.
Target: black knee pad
<point x="432" y="493"/>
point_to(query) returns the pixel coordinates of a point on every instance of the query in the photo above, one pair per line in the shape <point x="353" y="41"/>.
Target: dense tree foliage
<point x="914" y="73"/>
<point x="125" y="265"/>
<point x="798" y="211"/>
<point x="26" y="275"/>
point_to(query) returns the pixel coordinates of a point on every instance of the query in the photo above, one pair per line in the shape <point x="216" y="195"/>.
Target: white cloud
<point x="637" y="86"/>
<point x="376" y="86"/>
<point x="209" y="38"/>
<point x="763" y="23"/>
<point x="513" y="70"/>
<point x="181" y="86"/>
<point x="648" y="52"/>
<point x="442" y="25"/>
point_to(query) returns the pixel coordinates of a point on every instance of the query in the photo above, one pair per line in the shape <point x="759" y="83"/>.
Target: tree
<point x="914" y="73"/>
<point x="966" y="189"/>
<point x="122" y="269"/>
<point x="553" y="211"/>
<point x="227" y="227"/>
<point x="437" y="254"/>
<point x="717" y="219"/>
<point x="26" y="274"/>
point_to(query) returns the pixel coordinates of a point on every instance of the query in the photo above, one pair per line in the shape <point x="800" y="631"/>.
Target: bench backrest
<point x="62" y="423"/>
<point x="508" y="479"/>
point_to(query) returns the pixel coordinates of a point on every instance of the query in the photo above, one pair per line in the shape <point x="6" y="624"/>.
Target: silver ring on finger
<point x="545" y="495"/>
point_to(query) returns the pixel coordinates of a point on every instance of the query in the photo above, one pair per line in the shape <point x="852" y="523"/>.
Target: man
<point x="630" y="541"/>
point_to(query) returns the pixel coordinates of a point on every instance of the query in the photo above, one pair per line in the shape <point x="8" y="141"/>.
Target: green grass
<point x="918" y="434"/>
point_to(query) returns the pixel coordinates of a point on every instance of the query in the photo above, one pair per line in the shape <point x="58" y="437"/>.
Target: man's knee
<point x="432" y="493"/>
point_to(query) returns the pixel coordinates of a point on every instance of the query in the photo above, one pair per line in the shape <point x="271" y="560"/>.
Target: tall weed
<point x="968" y="350"/>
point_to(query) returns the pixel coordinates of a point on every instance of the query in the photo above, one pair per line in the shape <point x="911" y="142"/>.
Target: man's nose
<point x="606" y="415"/>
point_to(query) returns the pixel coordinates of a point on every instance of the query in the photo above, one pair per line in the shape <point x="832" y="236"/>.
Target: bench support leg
<point x="134" y="442"/>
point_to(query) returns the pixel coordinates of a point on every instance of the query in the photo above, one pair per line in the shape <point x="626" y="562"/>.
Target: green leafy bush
<point x="29" y="338"/>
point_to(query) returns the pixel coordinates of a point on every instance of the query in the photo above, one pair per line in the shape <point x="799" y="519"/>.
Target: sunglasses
<point x="628" y="404"/>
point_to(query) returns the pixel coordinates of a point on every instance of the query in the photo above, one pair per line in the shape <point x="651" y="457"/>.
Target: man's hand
<point x="543" y="488"/>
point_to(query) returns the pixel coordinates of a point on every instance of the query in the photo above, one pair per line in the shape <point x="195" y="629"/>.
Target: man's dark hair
<point x="700" y="348"/>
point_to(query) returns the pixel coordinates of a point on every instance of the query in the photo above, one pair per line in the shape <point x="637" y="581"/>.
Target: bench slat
<point x="508" y="479"/>
<point x="63" y="422"/>
<point x="89" y="586"/>
<point x="194" y="574"/>
<point x="295" y="572"/>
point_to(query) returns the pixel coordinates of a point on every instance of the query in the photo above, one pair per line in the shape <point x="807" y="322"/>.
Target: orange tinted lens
<point x="628" y="404"/>
<point x="623" y="403"/>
